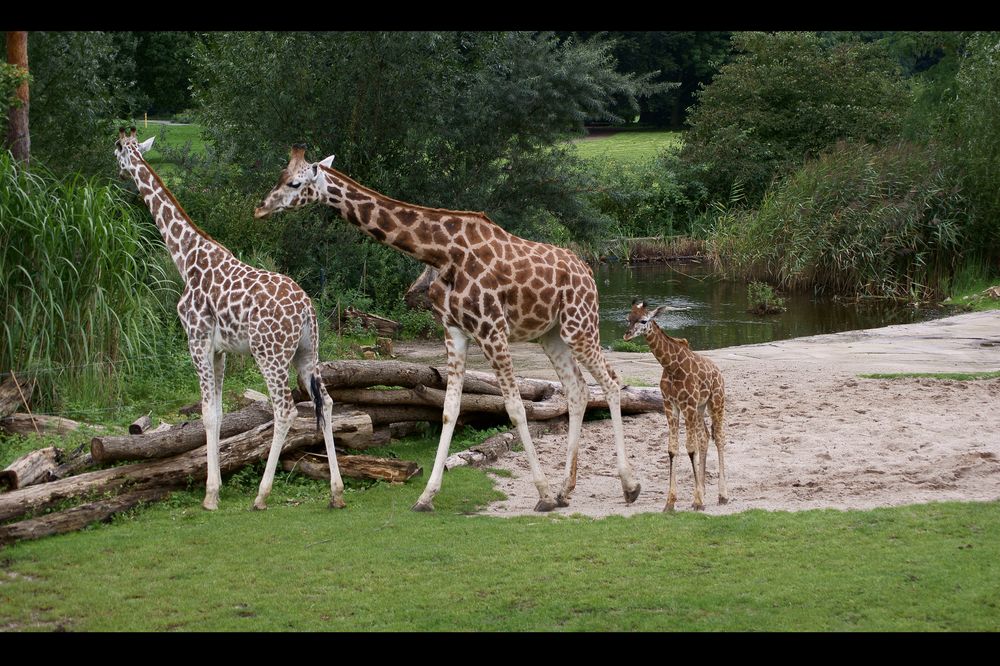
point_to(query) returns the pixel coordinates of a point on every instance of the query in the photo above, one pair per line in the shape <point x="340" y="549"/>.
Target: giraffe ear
<point x="146" y="145"/>
<point x="327" y="161"/>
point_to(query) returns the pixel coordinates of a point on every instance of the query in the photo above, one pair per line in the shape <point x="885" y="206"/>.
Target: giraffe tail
<point x="314" y="389"/>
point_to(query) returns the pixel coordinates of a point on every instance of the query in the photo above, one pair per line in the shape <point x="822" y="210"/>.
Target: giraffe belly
<point x="230" y="344"/>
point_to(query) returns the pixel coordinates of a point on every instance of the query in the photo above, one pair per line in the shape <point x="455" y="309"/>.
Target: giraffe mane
<point x="370" y="191"/>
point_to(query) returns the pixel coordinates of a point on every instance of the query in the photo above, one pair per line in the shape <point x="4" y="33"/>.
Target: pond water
<point x="716" y="314"/>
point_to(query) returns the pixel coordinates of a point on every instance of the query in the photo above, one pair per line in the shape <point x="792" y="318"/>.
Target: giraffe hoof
<point x="423" y="507"/>
<point x="562" y="500"/>
<point x="337" y="503"/>
<point x="545" y="505"/>
<point x="259" y="505"/>
<point x="631" y="495"/>
<point x="669" y="508"/>
<point x="210" y="505"/>
<point x="723" y="500"/>
<point x="698" y="507"/>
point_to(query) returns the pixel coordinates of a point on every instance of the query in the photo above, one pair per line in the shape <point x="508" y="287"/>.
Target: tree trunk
<point x="11" y="391"/>
<point x="315" y="466"/>
<point x="140" y="425"/>
<point x="18" y="137"/>
<point x="234" y="453"/>
<point x="23" y="424"/>
<point x="362" y="374"/>
<point x="388" y="414"/>
<point x="78" y="517"/>
<point x="178" y="439"/>
<point x="31" y="468"/>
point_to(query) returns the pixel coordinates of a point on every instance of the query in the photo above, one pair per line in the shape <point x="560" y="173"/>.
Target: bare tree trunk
<point x="18" y="138"/>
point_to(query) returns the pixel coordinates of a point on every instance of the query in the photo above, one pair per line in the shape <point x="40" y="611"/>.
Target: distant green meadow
<point x="629" y="146"/>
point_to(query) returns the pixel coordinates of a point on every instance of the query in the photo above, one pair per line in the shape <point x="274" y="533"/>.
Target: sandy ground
<point x="804" y="431"/>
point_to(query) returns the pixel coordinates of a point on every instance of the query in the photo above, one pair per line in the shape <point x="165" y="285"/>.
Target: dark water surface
<point x="717" y="309"/>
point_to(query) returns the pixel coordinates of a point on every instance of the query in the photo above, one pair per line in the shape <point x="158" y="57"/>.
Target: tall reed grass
<point x="860" y="220"/>
<point x="83" y="292"/>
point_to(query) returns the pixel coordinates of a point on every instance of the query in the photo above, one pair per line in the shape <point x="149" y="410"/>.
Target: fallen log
<point x="33" y="467"/>
<point x="73" y="462"/>
<point x="425" y="396"/>
<point x="384" y="327"/>
<point x="346" y="374"/>
<point x="140" y="425"/>
<point x="23" y="424"/>
<point x="180" y="438"/>
<point x="351" y="427"/>
<point x="11" y="392"/>
<point x="385" y="414"/>
<point x="493" y="447"/>
<point x="177" y="471"/>
<point x="78" y="517"/>
<point x="315" y="466"/>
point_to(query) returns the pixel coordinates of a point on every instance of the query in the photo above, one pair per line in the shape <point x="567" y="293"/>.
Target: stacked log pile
<point x="374" y="401"/>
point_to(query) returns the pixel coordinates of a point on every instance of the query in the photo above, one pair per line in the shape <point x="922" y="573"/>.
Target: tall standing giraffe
<point x="228" y="306"/>
<point x="690" y="384"/>
<point x="490" y="286"/>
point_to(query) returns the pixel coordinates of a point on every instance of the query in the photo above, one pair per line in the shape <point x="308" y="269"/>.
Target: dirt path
<point x="804" y="430"/>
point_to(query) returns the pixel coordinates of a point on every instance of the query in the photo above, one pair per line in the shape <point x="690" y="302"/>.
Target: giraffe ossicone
<point x="230" y="306"/>
<point x="691" y="384"/>
<point x="487" y="285"/>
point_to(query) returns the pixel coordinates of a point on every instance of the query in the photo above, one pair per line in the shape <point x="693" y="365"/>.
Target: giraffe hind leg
<point x="575" y="388"/>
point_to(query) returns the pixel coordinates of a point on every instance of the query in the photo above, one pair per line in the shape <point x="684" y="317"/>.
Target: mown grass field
<point x="377" y="566"/>
<point x="629" y="146"/>
<point x="174" y="136"/>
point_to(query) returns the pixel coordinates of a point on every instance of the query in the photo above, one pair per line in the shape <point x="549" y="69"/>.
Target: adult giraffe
<point x="490" y="286"/>
<point x="228" y="306"/>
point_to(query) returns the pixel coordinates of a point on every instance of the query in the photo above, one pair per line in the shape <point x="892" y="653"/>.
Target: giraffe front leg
<point x="673" y="445"/>
<point x="457" y="344"/>
<point x="498" y="354"/>
<point x="205" y="363"/>
<point x="575" y="388"/>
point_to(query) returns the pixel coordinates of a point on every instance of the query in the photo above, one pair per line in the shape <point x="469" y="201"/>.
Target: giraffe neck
<point x="182" y="237"/>
<point x="426" y="234"/>
<point x="666" y="349"/>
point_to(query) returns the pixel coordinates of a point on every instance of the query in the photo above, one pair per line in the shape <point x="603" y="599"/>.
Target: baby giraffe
<point x="690" y="384"/>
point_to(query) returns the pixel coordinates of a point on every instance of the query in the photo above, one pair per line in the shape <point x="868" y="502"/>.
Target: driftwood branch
<point x="78" y="517"/>
<point x="315" y="466"/>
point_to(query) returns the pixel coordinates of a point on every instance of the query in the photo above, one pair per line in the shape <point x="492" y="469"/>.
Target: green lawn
<point x="174" y="136"/>
<point x="629" y="146"/>
<point x="378" y="566"/>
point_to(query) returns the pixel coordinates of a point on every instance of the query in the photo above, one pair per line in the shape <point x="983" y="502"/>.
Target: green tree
<point x="80" y="82"/>
<point x="163" y="69"/>
<point x="455" y="120"/>
<point x="784" y="98"/>
<point x="970" y="131"/>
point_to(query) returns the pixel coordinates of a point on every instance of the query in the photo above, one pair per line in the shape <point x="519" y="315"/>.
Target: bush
<point x="860" y="220"/>
<point x="653" y="197"/>
<point x="82" y="282"/>
<point x="784" y="98"/>
<point x="763" y="300"/>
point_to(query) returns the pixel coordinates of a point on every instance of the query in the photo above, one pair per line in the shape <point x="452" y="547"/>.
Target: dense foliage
<point x="782" y="99"/>
<point x="164" y="70"/>
<point x="80" y="82"/>
<point x="79" y="281"/>
<point x="858" y="220"/>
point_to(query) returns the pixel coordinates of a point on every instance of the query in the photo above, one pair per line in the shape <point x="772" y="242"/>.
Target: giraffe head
<point x="297" y="185"/>
<point x="640" y="320"/>
<point x="128" y="151"/>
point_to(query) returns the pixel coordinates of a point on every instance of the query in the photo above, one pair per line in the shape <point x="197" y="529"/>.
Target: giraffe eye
<point x="295" y="186"/>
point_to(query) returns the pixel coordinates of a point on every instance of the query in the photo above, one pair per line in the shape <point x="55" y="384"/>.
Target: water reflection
<point x="716" y="315"/>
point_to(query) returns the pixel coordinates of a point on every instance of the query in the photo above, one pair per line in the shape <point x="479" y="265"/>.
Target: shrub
<point x="763" y="300"/>
<point x="784" y="98"/>
<point x="81" y="290"/>
<point x="859" y="220"/>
